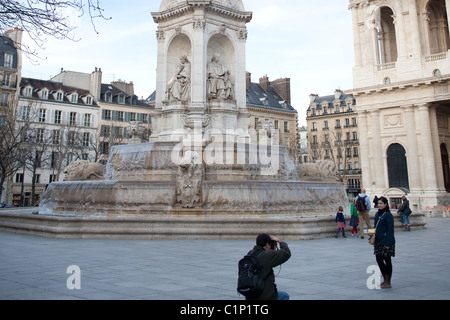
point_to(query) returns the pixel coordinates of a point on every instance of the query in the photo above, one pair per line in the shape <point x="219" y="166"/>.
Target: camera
<point x="273" y="245"/>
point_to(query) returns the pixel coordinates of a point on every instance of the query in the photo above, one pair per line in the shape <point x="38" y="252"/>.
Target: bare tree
<point x="44" y="18"/>
<point x="13" y="136"/>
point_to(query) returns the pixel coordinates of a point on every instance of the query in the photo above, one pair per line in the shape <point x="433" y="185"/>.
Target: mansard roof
<point x="7" y="46"/>
<point x="330" y="100"/>
<point x="271" y="100"/>
<point x="38" y="85"/>
<point x="130" y="100"/>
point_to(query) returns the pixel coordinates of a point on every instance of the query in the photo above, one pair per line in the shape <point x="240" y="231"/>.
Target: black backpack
<point x="250" y="281"/>
<point x="361" y="203"/>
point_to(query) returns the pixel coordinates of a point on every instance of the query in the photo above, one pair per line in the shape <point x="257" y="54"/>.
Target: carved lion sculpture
<point x="321" y="170"/>
<point x="84" y="170"/>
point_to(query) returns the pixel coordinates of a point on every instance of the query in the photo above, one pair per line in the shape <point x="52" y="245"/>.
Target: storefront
<point x="39" y="190"/>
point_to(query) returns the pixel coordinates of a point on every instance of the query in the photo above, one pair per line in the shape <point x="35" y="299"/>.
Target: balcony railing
<point x="386" y="66"/>
<point x="435" y="57"/>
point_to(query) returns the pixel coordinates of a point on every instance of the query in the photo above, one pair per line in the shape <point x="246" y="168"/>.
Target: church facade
<point x="402" y="90"/>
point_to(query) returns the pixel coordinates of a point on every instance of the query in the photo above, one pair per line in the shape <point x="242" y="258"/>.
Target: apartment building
<point x="333" y="135"/>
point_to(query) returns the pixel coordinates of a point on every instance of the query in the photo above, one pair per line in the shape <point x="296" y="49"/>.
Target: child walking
<point x="354" y="219"/>
<point x="340" y="221"/>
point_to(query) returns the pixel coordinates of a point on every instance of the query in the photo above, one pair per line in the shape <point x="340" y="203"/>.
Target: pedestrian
<point x="354" y="219"/>
<point x="340" y="221"/>
<point x="384" y="247"/>
<point x="362" y="202"/>
<point x="405" y="211"/>
<point x="375" y="202"/>
<point x="269" y="258"/>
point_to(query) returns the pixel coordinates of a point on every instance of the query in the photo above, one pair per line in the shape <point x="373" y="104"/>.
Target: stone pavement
<point x="36" y="268"/>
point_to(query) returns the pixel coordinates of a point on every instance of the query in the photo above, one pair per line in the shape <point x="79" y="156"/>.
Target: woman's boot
<point x="387" y="282"/>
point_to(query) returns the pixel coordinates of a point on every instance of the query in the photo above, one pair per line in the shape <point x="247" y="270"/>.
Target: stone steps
<point x="176" y="228"/>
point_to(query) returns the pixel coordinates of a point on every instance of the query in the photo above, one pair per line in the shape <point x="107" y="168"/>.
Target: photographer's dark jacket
<point x="384" y="235"/>
<point x="268" y="260"/>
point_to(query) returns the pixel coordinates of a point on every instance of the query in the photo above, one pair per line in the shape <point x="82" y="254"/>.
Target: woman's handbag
<point x="372" y="237"/>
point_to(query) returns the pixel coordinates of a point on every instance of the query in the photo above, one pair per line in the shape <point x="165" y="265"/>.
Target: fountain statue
<point x="201" y="159"/>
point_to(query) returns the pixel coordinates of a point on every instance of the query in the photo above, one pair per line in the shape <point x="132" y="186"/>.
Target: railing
<point x="385" y="66"/>
<point x="435" y="57"/>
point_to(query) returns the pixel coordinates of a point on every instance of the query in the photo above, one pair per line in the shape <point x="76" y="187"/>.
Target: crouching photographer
<point x="268" y="256"/>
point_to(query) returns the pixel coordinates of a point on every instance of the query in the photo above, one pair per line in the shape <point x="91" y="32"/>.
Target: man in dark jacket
<point x="268" y="259"/>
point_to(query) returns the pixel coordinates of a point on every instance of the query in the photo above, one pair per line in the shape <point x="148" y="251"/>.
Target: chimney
<point x="283" y="88"/>
<point x="248" y="80"/>
<point x="96" y="83"/>
<point x="264" y="82"/>
<point x="312" y="97"/>
<point x="128" y="88"/>
<point x="337" y="94"/>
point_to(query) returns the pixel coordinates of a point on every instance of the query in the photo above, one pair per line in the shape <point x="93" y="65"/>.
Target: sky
<point x="310" y="42"/>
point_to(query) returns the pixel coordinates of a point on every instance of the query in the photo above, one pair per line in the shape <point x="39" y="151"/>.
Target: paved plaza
<point x="38" y="268"/>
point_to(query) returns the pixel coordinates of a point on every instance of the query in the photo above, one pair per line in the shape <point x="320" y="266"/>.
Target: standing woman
<point x="384" y="248"/>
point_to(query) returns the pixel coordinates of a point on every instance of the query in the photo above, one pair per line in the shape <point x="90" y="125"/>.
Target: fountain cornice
<point x="185" y="8"/>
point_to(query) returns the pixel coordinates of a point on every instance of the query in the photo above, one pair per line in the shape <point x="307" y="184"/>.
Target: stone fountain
<point x="202" y="165"/>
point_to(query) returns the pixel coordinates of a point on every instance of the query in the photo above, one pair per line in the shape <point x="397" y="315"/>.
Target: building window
<point x="286" y="127"/>
<point x="52" y="178"/>
<point x="74" y="98"/>
<point x="122" y="99"/>
<point x="437" y="73"/>
<point x="25" y="113"/>
<point x="59" y="96"/>
<point x="86" y="139"/>
<point x="54" y="162"/>
<point x="87" y="120"/>
<point x="8" y="60"/>
<point x="106" y="115"/>
<point x="4" y="99"/>
<point x="120" y="116"/>
<point x="19" y="177"/>
<point x="40" y="135"/>
<point x="58" y="114"/>
<point x="6" y="80"/>
<point x="42" y="115"/>
<point x="44" y="94"/>
<point x="27" y="92"/>
<point x="73" y="119"/>
<point x="56" y="137"/>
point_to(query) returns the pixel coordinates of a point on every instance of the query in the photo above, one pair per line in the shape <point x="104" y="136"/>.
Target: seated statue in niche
<point x="219" y="85"/>
<point x="179" y="87"/>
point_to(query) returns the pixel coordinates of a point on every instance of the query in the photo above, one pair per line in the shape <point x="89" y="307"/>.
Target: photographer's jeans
<point x="283" y="295"/>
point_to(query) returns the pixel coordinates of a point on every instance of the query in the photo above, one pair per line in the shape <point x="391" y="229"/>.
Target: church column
<point x="415" y="29"/>
<point x="364" y="152"/>
<point x="199" y="62"/>
<point x="447" y="5"/>
<point x="428" y="163"/>
<point x="356" y="36"/>
<point x="437" y="149"/>
<point x="378" y="152"/>
<point x="412" y="156"/>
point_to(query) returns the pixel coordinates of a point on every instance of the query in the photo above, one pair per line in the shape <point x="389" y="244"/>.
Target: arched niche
<point x="386" y="35"/>
<point x="222" y="45"/>
<point x="438" y="26"/>
<point x="178" y="47"/>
